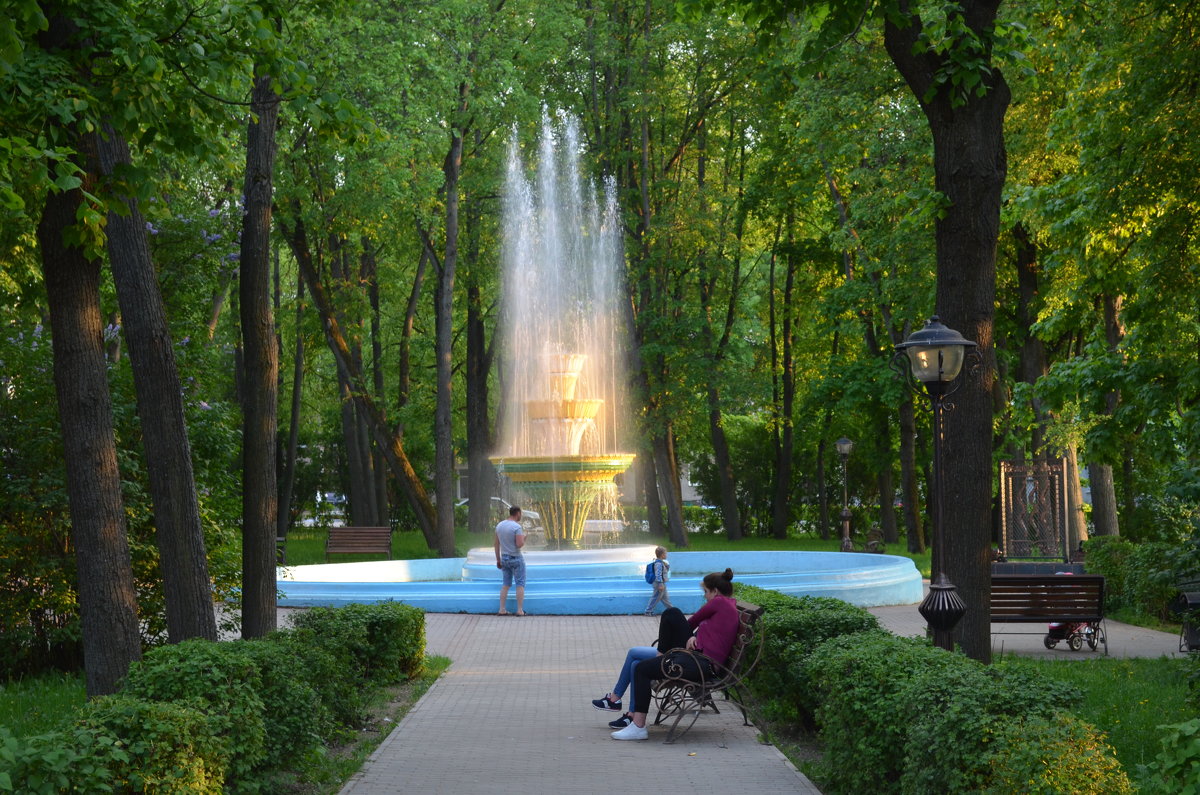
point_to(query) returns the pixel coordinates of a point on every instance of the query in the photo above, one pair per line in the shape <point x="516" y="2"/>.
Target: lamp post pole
<point x="934" y="356"/>
<point x="844" y="446"/>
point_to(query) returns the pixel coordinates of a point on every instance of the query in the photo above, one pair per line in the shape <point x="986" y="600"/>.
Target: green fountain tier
<point x="566" y="490"/>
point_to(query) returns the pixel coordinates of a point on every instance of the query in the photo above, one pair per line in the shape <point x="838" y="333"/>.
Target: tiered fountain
<point x="564" y="341"/>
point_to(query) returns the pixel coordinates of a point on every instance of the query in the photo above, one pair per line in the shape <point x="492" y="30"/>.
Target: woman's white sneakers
<point x="631" y="732"/>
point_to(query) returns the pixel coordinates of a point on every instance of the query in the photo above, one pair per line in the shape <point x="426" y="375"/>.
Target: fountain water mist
<point x="563" y="337"/>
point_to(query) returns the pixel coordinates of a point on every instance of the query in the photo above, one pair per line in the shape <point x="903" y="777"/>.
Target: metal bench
<point x="676" y="697"/>
<point x="359" y="541"/>
<point x="1046" y="598"/>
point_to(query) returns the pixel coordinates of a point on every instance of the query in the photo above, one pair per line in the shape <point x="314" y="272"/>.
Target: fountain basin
<point x="597" y="582"/>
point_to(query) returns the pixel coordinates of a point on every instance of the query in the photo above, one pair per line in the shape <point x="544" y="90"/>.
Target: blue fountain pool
<point x="605" y="581"/>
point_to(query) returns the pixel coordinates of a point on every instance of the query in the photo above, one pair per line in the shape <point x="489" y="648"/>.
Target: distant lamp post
<point x="844" y="446"/>
<point x="934" y="356"/>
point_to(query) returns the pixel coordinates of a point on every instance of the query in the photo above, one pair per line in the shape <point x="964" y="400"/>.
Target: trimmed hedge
<point x="793" y="627"/>
<point x="898" y="715"/>
<point x="203" y="717"/>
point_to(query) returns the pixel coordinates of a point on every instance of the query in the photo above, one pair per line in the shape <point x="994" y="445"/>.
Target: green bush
<point x="159" y="747"/>
<point x="223" y="681"/>
<point x="928" y="721"/>
<point x="383" y="643"/>
<point x="74" y="760"/>
<point x="296" y="718"/>
<point x="793" y="627"/>
<point x="1142" y="577"/>
<point x="1051" y="755"/>
<point x="1177" y="766"/>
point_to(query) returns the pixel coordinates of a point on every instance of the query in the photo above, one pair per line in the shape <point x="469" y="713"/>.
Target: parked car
<point x="499" y="510"/>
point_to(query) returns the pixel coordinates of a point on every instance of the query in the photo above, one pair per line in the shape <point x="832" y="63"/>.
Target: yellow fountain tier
<point x="564" y="469"/>
<point x="563" y="409"/>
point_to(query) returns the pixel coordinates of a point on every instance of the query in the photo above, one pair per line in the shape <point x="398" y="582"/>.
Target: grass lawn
<point x="1126" y="698"/>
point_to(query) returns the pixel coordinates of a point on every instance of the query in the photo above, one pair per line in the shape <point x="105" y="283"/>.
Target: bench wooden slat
<point x="1048" y="598"/>
<point x="359" y="541"/>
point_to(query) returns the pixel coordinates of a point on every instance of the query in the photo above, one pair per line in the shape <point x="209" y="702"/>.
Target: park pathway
<point x="512" y="714"/>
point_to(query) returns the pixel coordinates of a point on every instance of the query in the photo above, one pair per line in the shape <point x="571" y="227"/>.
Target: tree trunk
<point x="730" y="516"/>
<point x="668" y="479"/>
<point x="260" y="370"/>
<point x="179" y="533"/>
<point x="1104" y="500"/>
<point x="1033" y="350"/>
<point x="107" y="598"/>
<point x="970" y="167"/>
<point x="389" y="443"/>
<point x="481" y="476"/>
<point x="444" y="296"/>
<point x="887" y="489"/>
<point x="1076" y="522"/>
<point x="287" y="485"/>
<point x="914" y="528"/>
<point x="370" y="274"/>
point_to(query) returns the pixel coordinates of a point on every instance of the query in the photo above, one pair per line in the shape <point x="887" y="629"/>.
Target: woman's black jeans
<point x="673" y="633"/>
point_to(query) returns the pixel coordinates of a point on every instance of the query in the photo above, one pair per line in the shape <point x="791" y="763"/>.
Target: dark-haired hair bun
<point x="728" y="574"/>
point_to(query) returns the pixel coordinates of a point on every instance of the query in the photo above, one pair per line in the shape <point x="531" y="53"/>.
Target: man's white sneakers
<point x="631" y="732"/>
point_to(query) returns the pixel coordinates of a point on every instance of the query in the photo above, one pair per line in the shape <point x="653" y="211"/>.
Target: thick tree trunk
<point x="370" y="274"/>
<point x="970" y="167"/>
<point x="1033" y="351"/>
<point x="444" y="296"/>
<point x="481" y="476"/>
<point x="887" y="489"/>
<point x="260" y="371"/>
<point x="107" y="598"/>
<point x="914" y="528"/>
<point x="179" y="533"/>
<point x="1076" y="522"/>
<point x="1104" y="500"/>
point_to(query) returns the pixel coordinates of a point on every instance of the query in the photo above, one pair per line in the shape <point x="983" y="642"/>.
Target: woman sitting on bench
<point x="709" y="635"/>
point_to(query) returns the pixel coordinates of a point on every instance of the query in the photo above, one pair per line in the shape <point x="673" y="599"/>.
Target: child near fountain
<point x="660" y="568"/>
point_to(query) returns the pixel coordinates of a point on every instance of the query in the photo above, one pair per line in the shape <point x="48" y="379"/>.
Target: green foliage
<point x="298" y="706"/>
<point x="1049" y="755"/>
<point x="1176" y="769"/>
<point x="73" y="760"/>
<point x="928" y="719"/>
<point x="163" y="747"/>
<point x="222" y="680"/>
<point x="1143" y="577"/>
<point x="381" y="643"/>
<point x="792" y="627"/>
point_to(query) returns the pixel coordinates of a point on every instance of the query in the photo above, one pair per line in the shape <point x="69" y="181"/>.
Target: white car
<point x="499" y="509"/>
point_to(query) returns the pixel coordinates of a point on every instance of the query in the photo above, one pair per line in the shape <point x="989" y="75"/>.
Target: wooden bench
<point x="679" y="698"/>
<point x="359" y="541"/>
<point x="1046" y="598"/>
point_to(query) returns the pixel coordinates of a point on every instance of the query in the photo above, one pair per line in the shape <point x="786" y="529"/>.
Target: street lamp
<point x="934" y="356"/>
<point x="844" y="446"/>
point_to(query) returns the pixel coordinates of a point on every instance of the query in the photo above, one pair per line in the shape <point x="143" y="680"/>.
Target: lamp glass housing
<point x="936" y="363"/>
<point x="844" y="446"/>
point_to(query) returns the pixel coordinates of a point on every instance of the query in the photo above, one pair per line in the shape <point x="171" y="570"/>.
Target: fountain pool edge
<point x="597" y="582"/>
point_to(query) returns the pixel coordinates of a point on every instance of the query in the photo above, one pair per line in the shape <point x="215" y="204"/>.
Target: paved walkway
<point x="512" y="714"/>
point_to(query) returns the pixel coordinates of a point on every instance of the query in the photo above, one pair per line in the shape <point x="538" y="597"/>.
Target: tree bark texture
<point x="481" y="475"/>
<point x="1104" y="500"/>
<point x="287" y="472"/>
<point x="178" y="530"/>
<point x="444" y="297"/>
<point x="970" y="167"/>
<point x="260" y="371"/>
<point x="107" y="598"/>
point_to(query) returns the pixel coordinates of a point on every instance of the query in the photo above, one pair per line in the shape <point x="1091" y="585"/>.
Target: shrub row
<point x="203" y="717"/>
<point x="898" y="715"/>
<point x="1143" y="577"/>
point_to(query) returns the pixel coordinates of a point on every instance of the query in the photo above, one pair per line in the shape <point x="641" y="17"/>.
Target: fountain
<point x="563" y="338"/>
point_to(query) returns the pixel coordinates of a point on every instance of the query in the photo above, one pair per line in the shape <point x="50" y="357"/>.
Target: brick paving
<point x="513" y="714"/>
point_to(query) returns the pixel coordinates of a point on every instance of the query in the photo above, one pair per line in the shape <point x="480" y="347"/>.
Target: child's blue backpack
<point x="650" y="571"/>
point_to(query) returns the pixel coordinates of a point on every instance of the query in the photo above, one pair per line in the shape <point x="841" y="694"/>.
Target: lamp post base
<point x="942" y="609"/>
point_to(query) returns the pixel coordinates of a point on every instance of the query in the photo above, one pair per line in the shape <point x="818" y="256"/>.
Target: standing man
<point x="510" y="537"/>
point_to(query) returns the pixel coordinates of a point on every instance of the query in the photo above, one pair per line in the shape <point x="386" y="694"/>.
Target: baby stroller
<point x="1075" y="634"/>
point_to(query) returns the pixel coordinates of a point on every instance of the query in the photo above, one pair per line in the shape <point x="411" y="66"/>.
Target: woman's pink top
<point x="716" y="626"/>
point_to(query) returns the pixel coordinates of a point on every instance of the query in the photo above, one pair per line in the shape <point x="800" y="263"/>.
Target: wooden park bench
<point x="679" y="698"/>
<point x="359" y="541"/>
<point x="1046" y="598"/>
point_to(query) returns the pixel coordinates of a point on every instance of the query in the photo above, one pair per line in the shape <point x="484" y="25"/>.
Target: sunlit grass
<point x="1128" y="699"/>
<point x="41" y="704"/>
